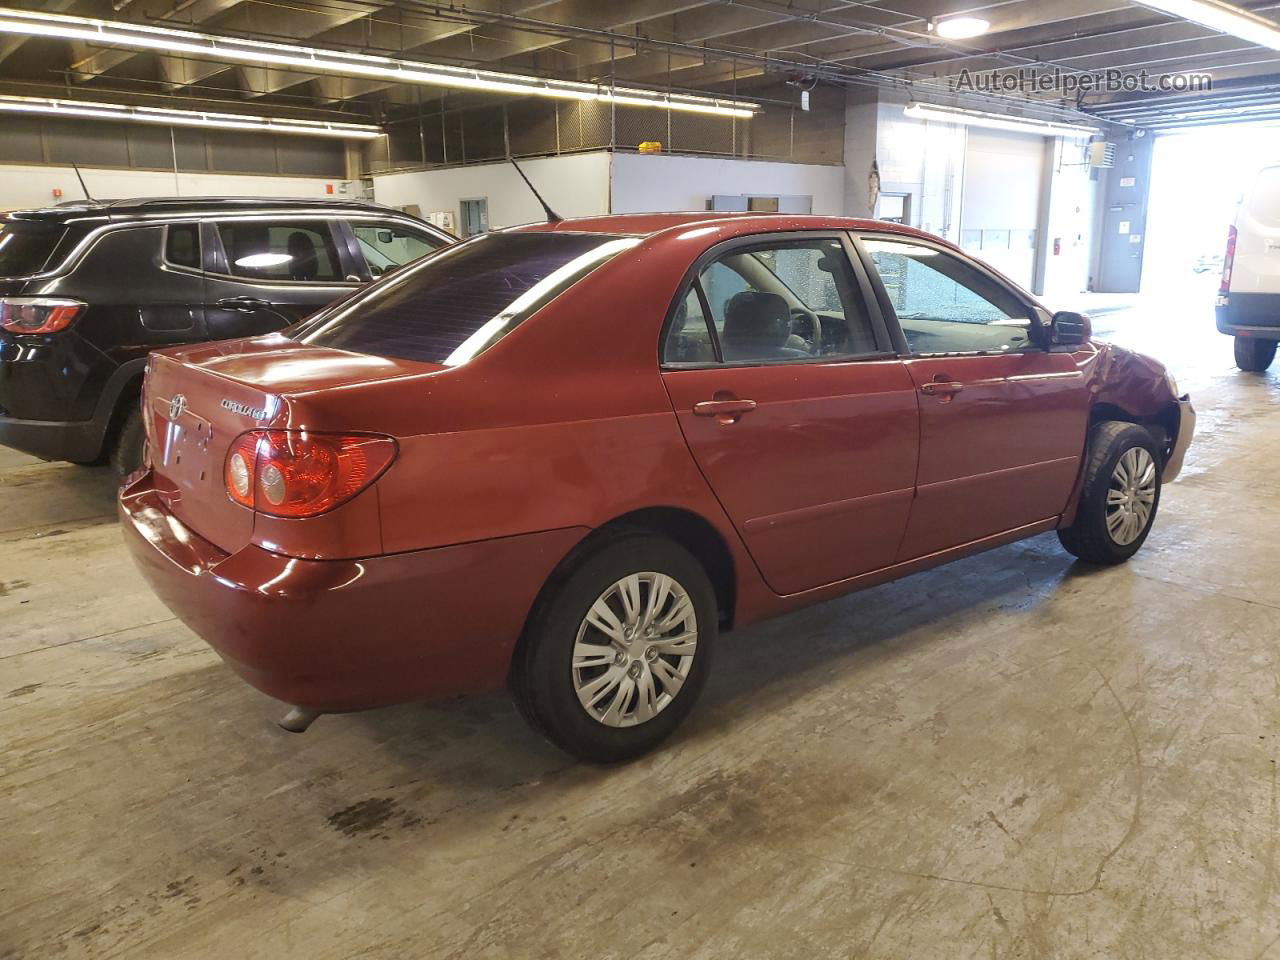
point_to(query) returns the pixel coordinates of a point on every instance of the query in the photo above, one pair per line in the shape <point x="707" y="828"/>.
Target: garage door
<point x="1001" y="200"/>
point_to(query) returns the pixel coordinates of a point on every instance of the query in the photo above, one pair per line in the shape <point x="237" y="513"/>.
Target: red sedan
<point x="566" y="456"/>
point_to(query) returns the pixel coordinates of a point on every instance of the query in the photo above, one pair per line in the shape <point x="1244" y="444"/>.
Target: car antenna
<point x="82" y="186"/>
<point x="552" y="216"/>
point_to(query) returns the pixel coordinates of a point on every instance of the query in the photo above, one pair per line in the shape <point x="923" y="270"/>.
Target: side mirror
<point x="1070" y="329"/>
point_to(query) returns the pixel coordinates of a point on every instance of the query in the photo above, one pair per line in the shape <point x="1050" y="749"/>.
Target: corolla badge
<point x="255" y="413"/>
<point x="177" y="405"/>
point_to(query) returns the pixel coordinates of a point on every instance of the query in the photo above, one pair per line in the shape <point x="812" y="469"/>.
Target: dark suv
<point x="87" y="289"/>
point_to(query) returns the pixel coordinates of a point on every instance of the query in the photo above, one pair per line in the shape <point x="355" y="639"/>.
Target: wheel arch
<point x="689" y="529"/>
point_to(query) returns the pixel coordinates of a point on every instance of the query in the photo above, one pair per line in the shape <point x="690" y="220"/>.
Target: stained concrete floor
<point x="1013" y="756"/>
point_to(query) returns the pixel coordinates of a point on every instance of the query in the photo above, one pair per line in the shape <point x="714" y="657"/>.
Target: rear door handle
<point x="243" y="304"/>
<point x="727" y="410"/>
<point x="941" y="389"/>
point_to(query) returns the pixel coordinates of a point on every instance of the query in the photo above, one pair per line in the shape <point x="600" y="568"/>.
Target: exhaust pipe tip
<point x="298" y="719"/>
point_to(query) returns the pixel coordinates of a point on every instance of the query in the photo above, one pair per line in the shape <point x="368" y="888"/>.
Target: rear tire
<point x="126" y="454"/>
<point x="1120" y="496"/>
<point x="1254" y="355"/>
<point x="605" y="685"/>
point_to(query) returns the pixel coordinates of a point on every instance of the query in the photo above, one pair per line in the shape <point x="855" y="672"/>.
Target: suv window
<point x="945" y="305"/>
<point x="25" y="246"/>
<point x="451" y="307"/>
<point x="302" y="250"/>
<point x="182" y="245"/>
<point x="777" y="302"/>
<point x="386" y="247"/>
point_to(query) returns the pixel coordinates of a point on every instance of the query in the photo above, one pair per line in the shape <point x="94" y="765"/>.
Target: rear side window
<point x="182" y="245"/>
<point x="261" y="250"/>
<point x="452" y="306"/>
<point x="25" y="246"/>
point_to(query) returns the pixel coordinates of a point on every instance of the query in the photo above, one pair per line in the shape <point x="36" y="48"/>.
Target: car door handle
<point x="941" y="389"/>
<point x="728" y="409"/>
<point x="244" y="304"/>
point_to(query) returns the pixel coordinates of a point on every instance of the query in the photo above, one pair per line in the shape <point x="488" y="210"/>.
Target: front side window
<point x="773" y="303"/>
<point x="280" y="250"/>
<point x="451" y="307"/>
<point x="386" y="247"/>
<point x="946" y="306"/>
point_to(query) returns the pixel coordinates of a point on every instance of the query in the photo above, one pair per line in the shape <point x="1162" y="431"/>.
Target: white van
<point x="1248" y="305"/>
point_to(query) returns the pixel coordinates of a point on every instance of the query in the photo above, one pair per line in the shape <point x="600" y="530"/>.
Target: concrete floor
<point x="1013" y="756"/>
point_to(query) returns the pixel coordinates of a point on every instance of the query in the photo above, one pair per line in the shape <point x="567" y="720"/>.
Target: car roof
<point x="151" y="207"/>
<point x="730" y="223"/>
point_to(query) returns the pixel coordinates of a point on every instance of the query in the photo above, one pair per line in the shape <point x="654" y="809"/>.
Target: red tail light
<point x="38" y="314"/>
<point x="1227" y="260"/>
<point x="296" y="473"/>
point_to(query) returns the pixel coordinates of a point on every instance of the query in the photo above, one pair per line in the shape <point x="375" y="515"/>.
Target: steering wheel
<point x="807" y="322"/>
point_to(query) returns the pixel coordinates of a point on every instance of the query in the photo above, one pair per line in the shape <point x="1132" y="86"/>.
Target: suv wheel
<point x="1254" y="355"/>
<point x="617" y="655"/>
<point x="1120" y="496"/>
<point x="126" y="454"/>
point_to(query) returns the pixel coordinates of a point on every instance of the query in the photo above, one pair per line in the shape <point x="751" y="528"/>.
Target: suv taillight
<point x="1228" y="260"/>
<point x="297" y="473"/>
<point x="38" y="314"/>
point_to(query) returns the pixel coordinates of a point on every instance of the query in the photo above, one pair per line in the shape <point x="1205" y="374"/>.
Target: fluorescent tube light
<point x="187" y="118"/>
<point x="317" y="60"/>
<point x="995" y="121"/>
<point x="1223" y="17"/>
<point x="961" y="28"/>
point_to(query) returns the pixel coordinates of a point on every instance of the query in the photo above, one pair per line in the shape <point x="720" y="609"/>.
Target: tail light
<point x="296" y="473"/>
<point x="1228" y="260"/>
<point x="38" y="314"/>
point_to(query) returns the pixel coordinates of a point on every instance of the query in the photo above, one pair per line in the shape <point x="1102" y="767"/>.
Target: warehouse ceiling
<point x="749" y="47"/>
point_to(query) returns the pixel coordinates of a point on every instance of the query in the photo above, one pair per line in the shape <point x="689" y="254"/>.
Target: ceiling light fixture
<point x="187" y="118"/>
<point x="961" y="28"/>
<point x="316" y="60"/>
<point x="995" y="121"/>
<point x="1223" y="17"/>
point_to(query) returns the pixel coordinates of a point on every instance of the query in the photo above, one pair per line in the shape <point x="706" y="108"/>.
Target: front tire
<point x="1120" y="496"/>
<point x="616" y="655"/>
<point x="1254" y="355"/>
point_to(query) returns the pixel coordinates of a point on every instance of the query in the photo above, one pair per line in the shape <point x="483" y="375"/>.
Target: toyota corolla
<point x="567" y="456"/>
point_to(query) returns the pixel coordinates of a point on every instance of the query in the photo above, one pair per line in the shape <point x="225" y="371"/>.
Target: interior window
<point x="787" y="301"/>
<point x="182" y="245"/>
<point x="259" y="250"/>
<point x="386" y="248"/>
<point x="689" y="339"/>
<point x="946" y="306"/>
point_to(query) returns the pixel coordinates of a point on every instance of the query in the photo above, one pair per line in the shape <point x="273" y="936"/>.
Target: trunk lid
<point x="199" y="399"/>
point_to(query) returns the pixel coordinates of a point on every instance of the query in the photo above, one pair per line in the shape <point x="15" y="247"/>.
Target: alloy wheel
<point x="634" y="649"/>
<point x="1131" y="496"/>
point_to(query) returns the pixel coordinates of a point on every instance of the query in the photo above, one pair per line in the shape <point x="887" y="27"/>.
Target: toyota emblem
<point x="176" y="406"/>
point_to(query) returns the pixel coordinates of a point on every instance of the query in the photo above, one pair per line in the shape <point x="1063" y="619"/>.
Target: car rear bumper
<point x="1249" y="315"/>
<point x="336" y="635"/>
<point x="53" y="440"/>
<point x="1186" y="430"/>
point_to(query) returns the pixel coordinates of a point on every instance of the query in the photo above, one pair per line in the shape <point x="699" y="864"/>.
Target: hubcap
<point x="1131" y="496"/>
<point x="634" y="649"/>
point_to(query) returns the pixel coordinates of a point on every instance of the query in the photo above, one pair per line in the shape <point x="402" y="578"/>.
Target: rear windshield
<point x="25" y="246"/>
<point x="458" y="302"/>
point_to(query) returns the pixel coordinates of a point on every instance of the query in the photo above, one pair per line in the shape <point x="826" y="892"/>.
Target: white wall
<point x="32" y="186"/>
<point x="575" y="186"/>
<point x="646" y="183"/>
